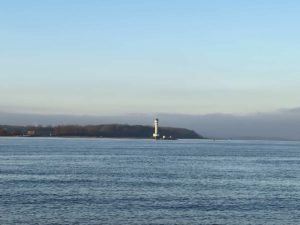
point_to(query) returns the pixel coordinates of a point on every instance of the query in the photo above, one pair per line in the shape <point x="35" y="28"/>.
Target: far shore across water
<point x="97" y="131"/>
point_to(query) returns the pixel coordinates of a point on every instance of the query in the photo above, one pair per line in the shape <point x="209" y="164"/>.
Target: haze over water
<point x="111" y="181"/>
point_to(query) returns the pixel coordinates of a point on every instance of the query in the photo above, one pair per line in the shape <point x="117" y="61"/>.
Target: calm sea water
<point x="102" y="181"/>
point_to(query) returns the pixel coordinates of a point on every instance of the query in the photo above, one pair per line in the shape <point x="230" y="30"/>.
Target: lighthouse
<point x="155" y="134"/>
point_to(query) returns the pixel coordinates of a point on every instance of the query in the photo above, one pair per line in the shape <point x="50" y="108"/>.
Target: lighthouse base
<point x="156" y="136"/>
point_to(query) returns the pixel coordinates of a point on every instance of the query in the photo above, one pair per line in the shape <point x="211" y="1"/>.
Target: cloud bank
<point x="281" y="124"/>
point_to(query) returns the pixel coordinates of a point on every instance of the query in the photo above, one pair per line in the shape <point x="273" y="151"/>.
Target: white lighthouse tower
<point x="155" y="134"/>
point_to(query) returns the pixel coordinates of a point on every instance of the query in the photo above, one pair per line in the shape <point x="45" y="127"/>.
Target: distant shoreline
<point x="97" y="131"/>
<point x="147" y="138"/>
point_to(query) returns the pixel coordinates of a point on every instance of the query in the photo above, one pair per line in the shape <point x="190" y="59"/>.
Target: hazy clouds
<point x="280" y="124"/>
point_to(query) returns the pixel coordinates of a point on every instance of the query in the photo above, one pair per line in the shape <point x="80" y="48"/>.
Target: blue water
<point x="102" y="181"/>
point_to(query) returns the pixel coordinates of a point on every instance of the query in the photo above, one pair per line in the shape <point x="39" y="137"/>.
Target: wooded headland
<point x="106" y="131"/>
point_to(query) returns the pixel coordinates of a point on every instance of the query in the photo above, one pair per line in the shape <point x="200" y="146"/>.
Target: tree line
<point x="108" y="130"/>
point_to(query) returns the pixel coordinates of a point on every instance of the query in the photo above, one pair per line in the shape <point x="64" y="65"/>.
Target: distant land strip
<point x="105" y="131"/>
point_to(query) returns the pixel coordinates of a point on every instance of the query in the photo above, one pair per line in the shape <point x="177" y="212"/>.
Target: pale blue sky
<point x="157" y="56"/>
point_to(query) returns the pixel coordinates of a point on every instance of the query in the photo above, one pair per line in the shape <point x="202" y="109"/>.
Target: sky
<point x="115" y="57"/>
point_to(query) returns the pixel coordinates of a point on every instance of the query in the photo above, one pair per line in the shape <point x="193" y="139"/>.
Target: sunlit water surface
<point x="111" y="181"/>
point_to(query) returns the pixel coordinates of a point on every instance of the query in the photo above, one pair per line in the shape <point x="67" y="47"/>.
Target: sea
<point x="132" y="181"/>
